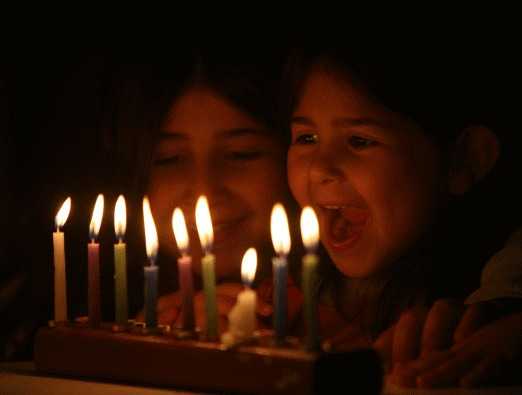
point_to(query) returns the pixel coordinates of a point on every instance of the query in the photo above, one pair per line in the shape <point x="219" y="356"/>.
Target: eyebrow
<point x="240" y="132"/>
<point x="175" y="136"/>
<point x="344" y="122"/>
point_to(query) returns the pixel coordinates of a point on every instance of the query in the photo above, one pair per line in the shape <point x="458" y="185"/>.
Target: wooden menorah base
<point x="164" y="359"/>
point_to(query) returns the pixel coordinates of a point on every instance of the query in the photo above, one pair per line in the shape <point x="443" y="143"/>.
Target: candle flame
<point x="249" y="266"/>
<point x="96" y="219"/>
<point x="279" y="230"/>
<point x="63" y="213"/>
<point x="309" y="228"/>
<point x="204" y="223"/>
<point x="120" y="217"/>
<point x="151" y="236"/>
<point x="180" y="230"/>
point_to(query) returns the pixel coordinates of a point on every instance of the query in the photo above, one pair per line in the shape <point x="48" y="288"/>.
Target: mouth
<point x="342" y="225"/>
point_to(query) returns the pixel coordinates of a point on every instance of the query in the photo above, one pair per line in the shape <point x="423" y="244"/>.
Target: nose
<point x="204" y="178"/>
<point x="325" y="167"/>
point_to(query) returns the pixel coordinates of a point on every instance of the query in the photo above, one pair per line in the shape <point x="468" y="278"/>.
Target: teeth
<point x="333" y="207"/>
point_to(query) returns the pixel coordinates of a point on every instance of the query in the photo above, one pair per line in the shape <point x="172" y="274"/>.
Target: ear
<point x="475" y="153"/>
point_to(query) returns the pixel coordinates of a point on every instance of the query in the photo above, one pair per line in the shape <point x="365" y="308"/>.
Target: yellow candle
<point x="60" y="283"/>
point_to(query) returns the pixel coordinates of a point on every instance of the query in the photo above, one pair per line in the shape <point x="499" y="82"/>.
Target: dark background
<point x="57" y="108"/>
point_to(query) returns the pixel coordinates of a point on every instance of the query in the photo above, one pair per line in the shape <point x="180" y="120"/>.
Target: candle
<point x="60" y="283"/>
<point x="281" y="242"/>
<point x="310" y="236"/>
<point x="151" y="270"/>
<point x="186" y="286"/>
<point x="206" y="237"/>
<point x="93" y="250"/>
<point x="120" y="263"/>
<point x="242" y="317"/>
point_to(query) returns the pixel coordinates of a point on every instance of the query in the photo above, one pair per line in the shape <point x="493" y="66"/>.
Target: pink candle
<point x="93" y="249"/>
<point x="186" y="287"/>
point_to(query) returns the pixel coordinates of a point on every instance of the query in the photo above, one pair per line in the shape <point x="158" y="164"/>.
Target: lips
<point x="342" y="225"/>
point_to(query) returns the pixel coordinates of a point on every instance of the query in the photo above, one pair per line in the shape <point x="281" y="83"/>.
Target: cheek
<point x="297" y="172"/>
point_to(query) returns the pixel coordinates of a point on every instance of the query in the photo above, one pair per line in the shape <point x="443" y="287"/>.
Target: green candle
<point x="310" y="236"/>
<point x="206" y="237"/>
<point x="120" y="263"/>
<point x="309" y="273"/>
<point x="209" y="289"/>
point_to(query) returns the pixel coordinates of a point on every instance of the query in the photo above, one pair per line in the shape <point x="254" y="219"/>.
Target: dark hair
<point x="443" y="93"/>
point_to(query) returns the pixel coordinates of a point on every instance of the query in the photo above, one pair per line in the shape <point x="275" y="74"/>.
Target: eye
<point x="360" y="143"/>
<point x="245" y="155"/>
<point x="305" y="139"/>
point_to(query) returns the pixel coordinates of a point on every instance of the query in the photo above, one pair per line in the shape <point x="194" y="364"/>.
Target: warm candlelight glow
<point x="248" y="266"/>
<point x="120" y="217"/>
<point x="309" y="228"/>
<point x="180" y="230"/>
<point x="96" y="219"/>
<point x="204" y="224"/>
<point x="63" y="213"/>
<point x="279" y="230"/>
<point x="151" y="236"/>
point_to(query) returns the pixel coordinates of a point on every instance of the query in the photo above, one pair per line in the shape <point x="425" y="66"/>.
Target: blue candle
<point x="150" y="271"/>
<point x="281" y="241"/>
<point x="151" y="295"/>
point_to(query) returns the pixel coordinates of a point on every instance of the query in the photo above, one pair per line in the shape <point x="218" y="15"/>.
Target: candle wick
<point x="92" y="240"/>
<point x="119" y="240"/>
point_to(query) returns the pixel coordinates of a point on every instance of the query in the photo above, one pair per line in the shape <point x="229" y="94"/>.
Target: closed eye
<point x="360" y="143"/>
<point x="169" y="160"/>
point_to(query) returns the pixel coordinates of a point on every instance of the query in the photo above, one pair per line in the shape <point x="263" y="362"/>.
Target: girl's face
<point x="372" y="176"/>
<point x="208" y="146"/>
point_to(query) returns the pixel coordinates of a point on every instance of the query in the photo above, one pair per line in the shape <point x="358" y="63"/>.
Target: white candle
<point x="60" y="283"/>
<point x="242" y="317"/>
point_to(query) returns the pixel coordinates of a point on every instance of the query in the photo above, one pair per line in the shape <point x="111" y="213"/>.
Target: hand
<point x="420" y="331"/>
<point x="492" y="355"/>
<point x="168" y="306"/>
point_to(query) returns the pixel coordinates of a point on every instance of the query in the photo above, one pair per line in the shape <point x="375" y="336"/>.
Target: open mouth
<point x="342" y="226"/>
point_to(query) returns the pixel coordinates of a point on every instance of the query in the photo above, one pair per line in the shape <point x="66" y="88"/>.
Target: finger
<point x="449" y="373"/>
<point x="384" y="345"/>
<point x="407" y="335"/>
<point x="406" y="374"/>
<point x="485" y="371"/>
<point x="474" y="317"/>
<point x="169" y="301"/>
<point x="168" y="316"/>
<point x="440" y="324"/>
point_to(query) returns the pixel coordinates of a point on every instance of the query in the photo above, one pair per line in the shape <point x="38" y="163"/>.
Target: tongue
<point x="339" y="229"/>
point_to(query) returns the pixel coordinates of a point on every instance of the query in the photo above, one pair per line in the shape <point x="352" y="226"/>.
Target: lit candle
<point x="120" y="262"/>
<point x="206" y="237"/>
<point x="184" y="270"/>
<point x="60" y="283"/>
<point x="281" y="241"/>
<point x="310" y="236"/>
<point x="93" y="249"/>
<point x="242" y="317"/>
<point x="151" y="270"/>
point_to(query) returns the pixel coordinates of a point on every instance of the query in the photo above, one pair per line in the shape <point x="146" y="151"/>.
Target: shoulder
<point x="502" y="274"/>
